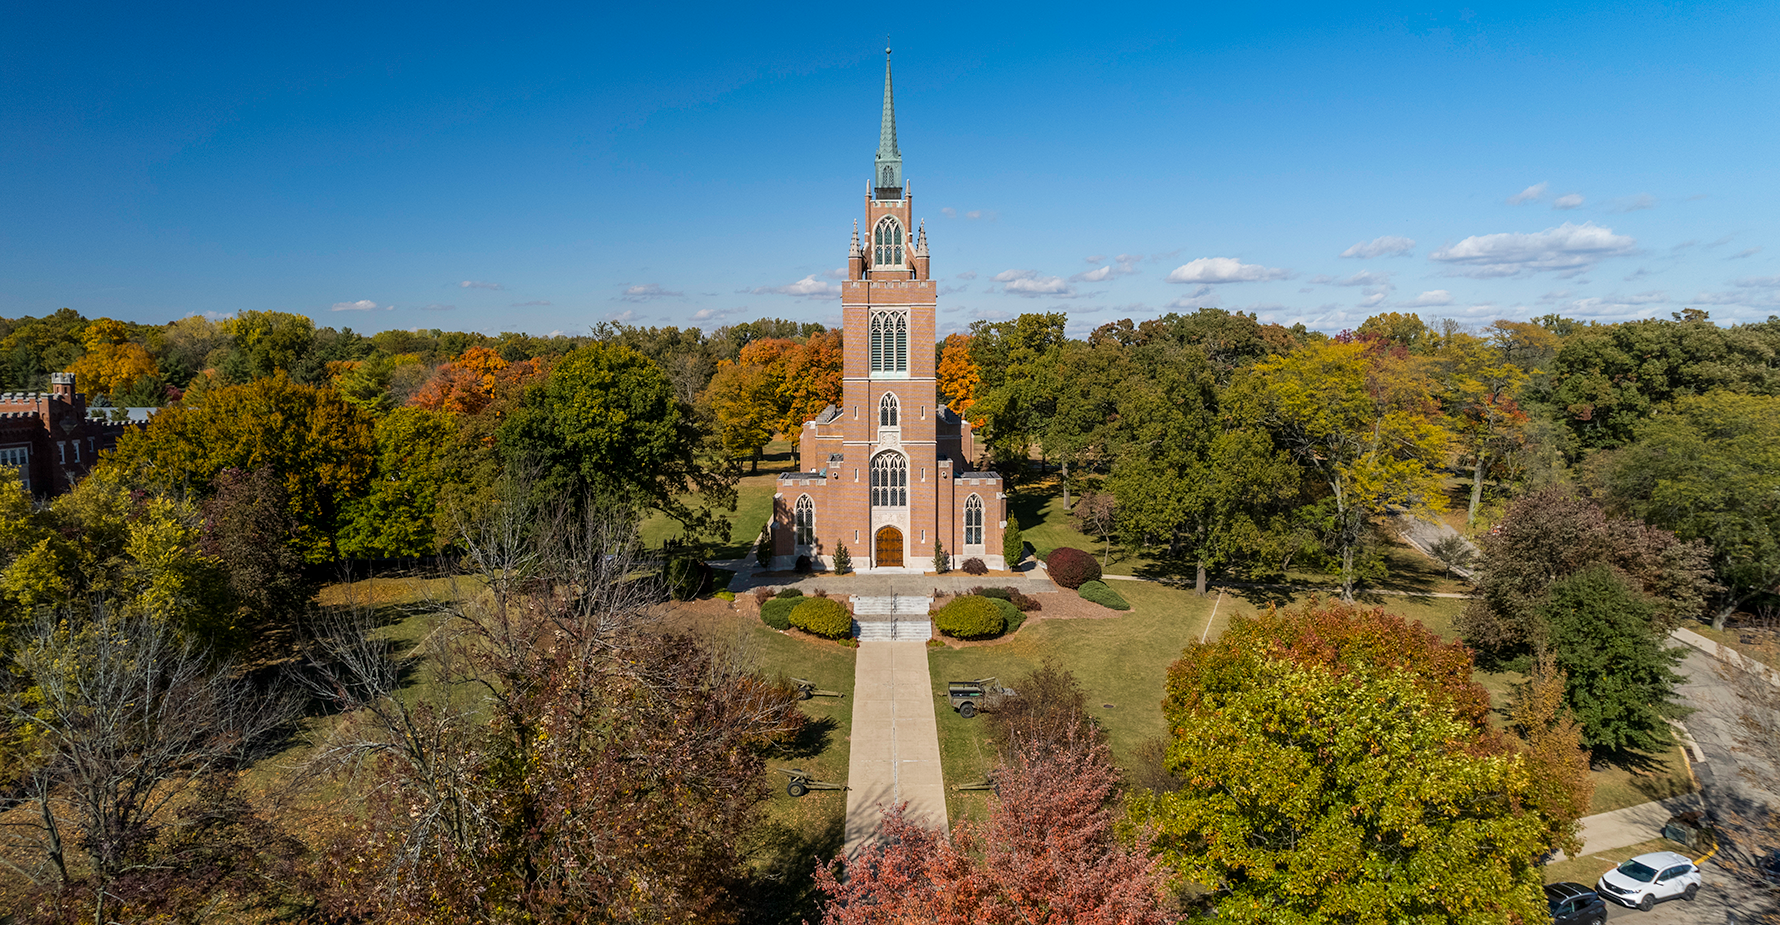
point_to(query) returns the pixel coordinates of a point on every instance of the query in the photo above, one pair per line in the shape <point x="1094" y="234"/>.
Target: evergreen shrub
<point x="788" y="594"/>
<point x="1070" y="567"/>
<point x="1100" y="593"/>
<point x="823" y="617"/>
<point x="776" y="613"/>
<point x="970" y="617"/>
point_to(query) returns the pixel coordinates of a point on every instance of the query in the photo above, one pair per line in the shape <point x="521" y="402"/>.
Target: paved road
<point x="895" y="741"/>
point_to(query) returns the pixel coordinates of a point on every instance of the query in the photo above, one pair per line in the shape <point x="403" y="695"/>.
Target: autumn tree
<point x="745" y="402"/>
<point x="319" y="446"/>
<point x="1482" y="386"/>
<point x="575" y="764"/>
<point x="1551" y="534"/>
<point x="958" y="376"/>
<point x="248" y="530"/>
<point x="1049" y="852"/>
<point x="1336" y="765"/>
<point x="113" y="363"/>
<point x="1561" y="788"/>
<point x="1358" y="420"/>
<point x="1708" y="470"/>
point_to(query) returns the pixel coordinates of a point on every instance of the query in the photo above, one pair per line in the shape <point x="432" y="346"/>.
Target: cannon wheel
<point x="967" y="709"/>
<point x="803" y="693"/>
<point x="796" y="788"/>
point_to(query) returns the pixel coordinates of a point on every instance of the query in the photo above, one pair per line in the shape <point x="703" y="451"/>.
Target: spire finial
<point x="887" y="169"/>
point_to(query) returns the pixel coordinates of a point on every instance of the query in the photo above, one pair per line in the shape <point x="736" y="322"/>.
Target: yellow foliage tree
<point x="112" y="362"/>
<point x="958" y="375"/>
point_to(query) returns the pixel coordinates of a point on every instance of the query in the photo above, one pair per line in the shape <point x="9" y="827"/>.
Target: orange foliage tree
<point x="476" y="380"/>
<point x="958" y="375"/>
<point x="775" y="384"/>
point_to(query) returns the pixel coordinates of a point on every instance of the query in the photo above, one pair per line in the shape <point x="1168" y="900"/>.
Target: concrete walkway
<point x="1632" y="825"/>
<point x="895" y="746"/>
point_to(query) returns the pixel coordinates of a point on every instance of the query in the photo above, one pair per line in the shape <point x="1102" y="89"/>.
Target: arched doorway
<point x="888" y="553"/>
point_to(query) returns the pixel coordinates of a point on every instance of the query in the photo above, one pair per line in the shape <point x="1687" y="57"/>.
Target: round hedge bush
<point x="1011" y="617"/>
<point x="1101" y="593"/>
<point x="1070" y="567"/>
<point x="823" y="617"/>
<point x="789" y="594"/>
<point x="974" y="566"/>
<point x="776" y="613"/>
<point x="970" y="617"/>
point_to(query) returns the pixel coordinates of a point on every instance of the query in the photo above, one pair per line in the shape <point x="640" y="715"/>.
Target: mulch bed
<point x="1063" y="605"/>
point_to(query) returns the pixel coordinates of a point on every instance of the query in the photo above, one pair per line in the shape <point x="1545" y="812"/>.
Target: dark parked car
<point x="1575" y="904"/>
<point x="1768" y="867"/>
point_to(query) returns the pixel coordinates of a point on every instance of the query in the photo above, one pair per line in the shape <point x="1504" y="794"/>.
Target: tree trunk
<point x="1723" y="614"/>
<point x="1476" y="490"/>
<point x="755" y="462"/>
<point x="1347" y="573"/>
<point x="1199" y="582"/>
<point x="1065" y="486"/>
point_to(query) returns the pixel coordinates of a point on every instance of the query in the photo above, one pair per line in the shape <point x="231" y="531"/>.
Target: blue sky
<point x="544" y="168"/>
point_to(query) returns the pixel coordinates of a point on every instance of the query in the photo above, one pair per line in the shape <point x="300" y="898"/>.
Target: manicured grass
<point x="1662" y="776"/>
<point x="1587" y="870"/>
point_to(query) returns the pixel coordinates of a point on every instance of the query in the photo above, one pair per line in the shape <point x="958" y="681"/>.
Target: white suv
<point x="1651" y="878"/>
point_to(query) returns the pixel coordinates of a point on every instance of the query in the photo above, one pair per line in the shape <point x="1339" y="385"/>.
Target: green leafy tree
<point x="320" y="447"/>
<point x="1709" y="470"/>
<point x="1013" y="544"/>
<point x="607" y="423"/>
<point x="396" y="516"/>
<point x="1359" y="421"/>
<point x="1018" y="363"/>
<point x="1622" y="678"/>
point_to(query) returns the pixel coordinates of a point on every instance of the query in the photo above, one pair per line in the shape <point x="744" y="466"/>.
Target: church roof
<point x="828" y="415"/>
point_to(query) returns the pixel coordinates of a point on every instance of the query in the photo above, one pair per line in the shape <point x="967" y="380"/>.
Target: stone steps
<point x="892" y="630"/>
<point x="895" y="604"/>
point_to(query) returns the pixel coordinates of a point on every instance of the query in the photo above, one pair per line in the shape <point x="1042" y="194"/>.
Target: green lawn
<point x="1588" y="869"/>
<point x="754" y="505"/>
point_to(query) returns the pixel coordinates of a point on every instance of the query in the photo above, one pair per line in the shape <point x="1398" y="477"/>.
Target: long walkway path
<point x="895" y="748"/>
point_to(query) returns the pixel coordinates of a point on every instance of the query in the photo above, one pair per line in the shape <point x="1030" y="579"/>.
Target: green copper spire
<point x="887" y="175"/>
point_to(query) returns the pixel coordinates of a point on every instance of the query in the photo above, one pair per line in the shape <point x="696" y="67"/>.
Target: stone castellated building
<point x="52" y="439"/>
<point x="887" y="474"/>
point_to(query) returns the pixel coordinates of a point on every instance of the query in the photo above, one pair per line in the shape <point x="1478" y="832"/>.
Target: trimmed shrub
<point x="1013" y="545"/>
<point x="1070" y="567"/>
<point x="762" y="595"/>
<point x="998" y="593"/>
<point x="788" y="594"/>
<point x="1011" y="617"/>
<point x="970" y="617"/>
<point x="823" y="617"/>
<point x="843" y="560"/>
<point x="1100" y="593"/>
<point x="776" y="613"/>
<point x="726" y="595"/>
<point x="974" y="566"/>
<point x="1026" y="602"/>
<point x="763" y="550"/>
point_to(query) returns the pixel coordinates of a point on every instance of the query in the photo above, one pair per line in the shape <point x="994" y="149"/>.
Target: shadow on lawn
<point x="780" y="887"/>
<point x="813" y="740"/>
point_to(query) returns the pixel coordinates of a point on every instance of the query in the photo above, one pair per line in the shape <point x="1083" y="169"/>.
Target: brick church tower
<point x="887" y="472"/>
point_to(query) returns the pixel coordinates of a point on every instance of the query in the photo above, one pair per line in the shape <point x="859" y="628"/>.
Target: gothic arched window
<point x="806" y="521"/>
<point x="973" y="521"/>
<point x="887" y="410"/>
<point x="887" y="243"/>
<point x="889" y="480"/>
<point x="890" y="342"/>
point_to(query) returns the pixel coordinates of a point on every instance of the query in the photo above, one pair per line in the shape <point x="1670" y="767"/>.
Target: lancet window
<point x="973" y="521"/>
<point x="806" y="521"/>
<point x="889" y="480"/>
<point x="888" y="410"/>
<point x="890" y="342"/>
<point x="887" y="243"/>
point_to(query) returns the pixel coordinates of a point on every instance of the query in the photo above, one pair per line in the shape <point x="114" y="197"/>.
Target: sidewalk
<point x="1632" y="825"/>
<point x="895" y="745"/>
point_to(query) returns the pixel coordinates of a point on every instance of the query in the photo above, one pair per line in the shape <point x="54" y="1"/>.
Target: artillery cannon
<point x="807" y="689"/>
<point x="802" y="783"/>
<point x="972" y="697"/>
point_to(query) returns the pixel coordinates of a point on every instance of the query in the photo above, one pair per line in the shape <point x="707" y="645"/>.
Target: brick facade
<point x="888" y="308"/>
<point x="51" y="439"/>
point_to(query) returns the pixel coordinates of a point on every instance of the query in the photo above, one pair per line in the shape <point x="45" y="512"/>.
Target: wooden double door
<point x="887" y="550"/>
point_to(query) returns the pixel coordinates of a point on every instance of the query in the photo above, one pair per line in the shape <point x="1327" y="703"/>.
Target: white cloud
<point x="647" y="292"/>
<point x="949" y="212"/>
<point x="1568" y="249"/>
<point x="1536" y="191"/>
<point x="967" y="274"/>
<point x="1431" y="298"/>
<point x="1030" y="284"/>
<point x="1567" y="201"/>
<point x="1096" y="275"/>
<point x="1749" y="252"/>
<point x="975" y="214"/>
<point x="1096" y="258"/>
<point x="1373" y="297"/>
<point x="807" y="288"/>
<point x="1757" y="282"/>
<point x="1203" y="297"/>
<point x="623" y="317"/>
<point x="477" y="284"/>
<point x="531" y="303"/>
<point x="1362" y="278"/>
<point x="1634" y="203"/>
<point x="1223" y="270"/>
<point x="713" y="314"/>
<point x="836" y="273"/>
<point x="362" y="305"/>
<point x="1387" y="246"/>
<point x="438" y="307"/>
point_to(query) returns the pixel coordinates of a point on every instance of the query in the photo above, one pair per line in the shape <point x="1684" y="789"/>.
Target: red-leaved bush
<point x="1047" y="853"/>
<point x="1070" y="567"/>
